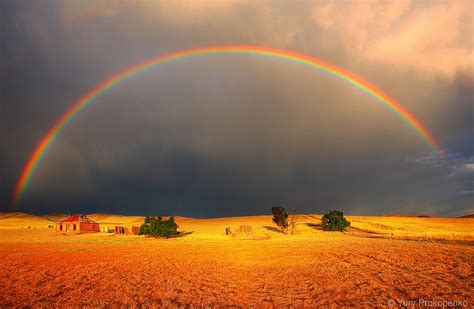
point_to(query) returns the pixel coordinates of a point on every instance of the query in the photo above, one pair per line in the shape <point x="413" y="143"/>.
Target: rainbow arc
<point x="117" y="79"/>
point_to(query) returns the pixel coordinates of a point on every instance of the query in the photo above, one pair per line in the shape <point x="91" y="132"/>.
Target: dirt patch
<point x="246" y="232"/>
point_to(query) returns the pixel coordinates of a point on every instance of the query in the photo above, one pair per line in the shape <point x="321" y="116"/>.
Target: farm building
<point x="135" y="230"/>
<point x="121" y="230"/>
<point x="77" y="224"/>
<point x="106" y="229"/>
<point x="125" y="231"/>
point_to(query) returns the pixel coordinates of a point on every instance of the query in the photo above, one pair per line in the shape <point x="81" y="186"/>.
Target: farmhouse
<point x="77" y="224"/>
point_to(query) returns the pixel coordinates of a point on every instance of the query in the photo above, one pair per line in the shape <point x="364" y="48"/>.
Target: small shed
<point x="121" y="230"/>
<point x="135" y="230"/>
<point x="77" y="224"/>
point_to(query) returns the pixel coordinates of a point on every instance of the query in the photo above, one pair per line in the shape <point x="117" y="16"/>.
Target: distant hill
<point x="468" y="216"/>
<point x="54" y="217"/>
<point x="407" y="216"/>
<point x="23" y="220"/>
<point x="18" y="215"/>
<point x="112" y="220"/>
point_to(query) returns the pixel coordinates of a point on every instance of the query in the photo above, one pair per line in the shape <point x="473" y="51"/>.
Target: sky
<point x="229" y="135"/>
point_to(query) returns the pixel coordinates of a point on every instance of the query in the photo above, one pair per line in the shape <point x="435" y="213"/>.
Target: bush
<point x="280" y="218"/>
<point x="334" y="221"/>
<point x="157" y="227"/>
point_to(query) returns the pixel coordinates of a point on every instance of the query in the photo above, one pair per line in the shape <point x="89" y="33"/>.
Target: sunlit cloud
<point x="433" y="36"/>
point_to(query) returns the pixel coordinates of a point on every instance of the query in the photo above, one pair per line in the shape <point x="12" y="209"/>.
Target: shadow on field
<point x="181" y="234"/>
<point x="316" y="226"/>
<point x="273" y="229"/>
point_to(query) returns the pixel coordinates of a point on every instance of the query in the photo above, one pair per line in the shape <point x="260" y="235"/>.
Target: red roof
<point x="75" y="218"/>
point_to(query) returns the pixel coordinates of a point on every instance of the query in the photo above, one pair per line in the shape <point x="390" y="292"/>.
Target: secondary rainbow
<point x="122" y="76"/>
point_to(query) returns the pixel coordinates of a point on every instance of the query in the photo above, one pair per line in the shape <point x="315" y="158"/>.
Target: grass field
<point x="380" y="260"/>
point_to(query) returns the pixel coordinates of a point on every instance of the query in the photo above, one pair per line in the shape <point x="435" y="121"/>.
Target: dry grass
<point x="452" y="229"/>
<point x="206" y="267"/>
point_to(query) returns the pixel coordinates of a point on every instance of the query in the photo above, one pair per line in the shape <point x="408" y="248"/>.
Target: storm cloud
<point x="234" y="135"/>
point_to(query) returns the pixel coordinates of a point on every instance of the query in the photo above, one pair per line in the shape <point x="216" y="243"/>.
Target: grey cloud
<point x="224" y="135"/>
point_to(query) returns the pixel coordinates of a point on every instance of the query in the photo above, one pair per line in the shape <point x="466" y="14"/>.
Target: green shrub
<point x="157" y="227"/>
<point x="280" y="218"/>
<point x="334" y="221"/>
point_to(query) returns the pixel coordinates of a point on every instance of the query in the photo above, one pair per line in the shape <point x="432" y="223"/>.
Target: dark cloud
<point x="222" y="135"/>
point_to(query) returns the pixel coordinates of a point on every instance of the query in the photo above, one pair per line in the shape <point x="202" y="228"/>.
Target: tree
<point x="280" y="218"/>
<point x="334" y="221"/>
<point x="157" y="227"/>
<point x="292" y="222"/>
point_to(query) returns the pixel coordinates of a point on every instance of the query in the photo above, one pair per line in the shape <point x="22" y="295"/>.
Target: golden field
<point x="379" y="261"/>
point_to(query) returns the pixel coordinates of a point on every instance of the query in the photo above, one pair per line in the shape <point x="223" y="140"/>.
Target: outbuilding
<point x="121" y="230"/>
<point x="77" y="224"/>
<point x="135" y="230"/>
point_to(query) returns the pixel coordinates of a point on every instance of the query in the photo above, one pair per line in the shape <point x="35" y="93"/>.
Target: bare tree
<point x="292" y="222"/>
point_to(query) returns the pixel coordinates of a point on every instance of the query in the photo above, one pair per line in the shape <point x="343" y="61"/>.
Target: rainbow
<point x="122" y="76"/>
